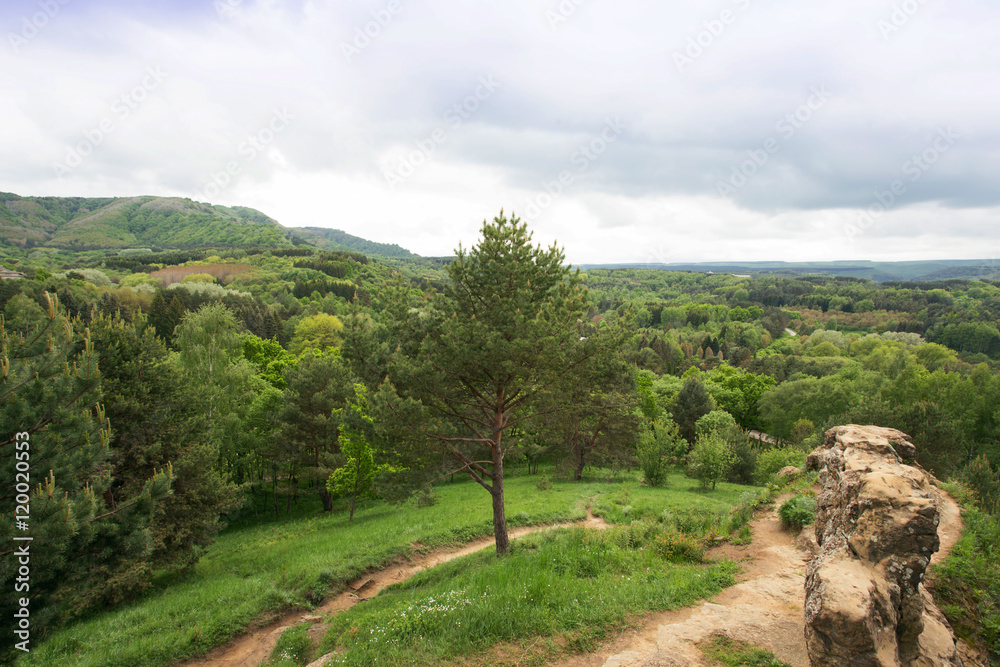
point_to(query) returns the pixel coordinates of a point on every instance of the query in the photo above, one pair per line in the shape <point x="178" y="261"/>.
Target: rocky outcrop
<point x="876" y="528"/>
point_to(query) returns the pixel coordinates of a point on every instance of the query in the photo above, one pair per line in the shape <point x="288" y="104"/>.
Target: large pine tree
<point x="86" y="550"/>
<point x="503" y="340"/>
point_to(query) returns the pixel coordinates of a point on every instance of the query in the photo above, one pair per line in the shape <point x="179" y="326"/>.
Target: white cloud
<point x="651" y="196"/>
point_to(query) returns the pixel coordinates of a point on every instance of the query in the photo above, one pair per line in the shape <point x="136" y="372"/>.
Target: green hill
<point x="167" y="223"/>
<point x="335" y="239"/>
<point x="130" y="222"/>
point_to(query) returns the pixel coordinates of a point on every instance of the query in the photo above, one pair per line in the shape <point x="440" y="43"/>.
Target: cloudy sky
<point x="685" y="130"/>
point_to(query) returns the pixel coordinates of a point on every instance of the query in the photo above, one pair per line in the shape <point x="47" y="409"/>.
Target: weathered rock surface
<point x="876" y="528"/>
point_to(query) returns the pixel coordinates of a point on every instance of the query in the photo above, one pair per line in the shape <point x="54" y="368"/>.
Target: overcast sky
<point x="627" y="131"/>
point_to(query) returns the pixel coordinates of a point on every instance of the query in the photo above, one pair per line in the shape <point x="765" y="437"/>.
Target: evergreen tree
<point x="692" y="403"/>
<point x="503" y="340"/>
<point x="155" y="424"/>
<point x="86" y="550"/>
<point x="318" y="389"/>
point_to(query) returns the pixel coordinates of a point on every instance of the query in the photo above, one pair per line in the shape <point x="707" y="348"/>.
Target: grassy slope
<point x="966" y="586"/>
<point x="263" y="569"/>
<point x="171" y="222"/>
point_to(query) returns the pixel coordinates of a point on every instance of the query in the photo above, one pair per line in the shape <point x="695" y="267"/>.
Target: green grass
<point x="966" y="586"/>
<point x="571" y="583"/>
<point x="253" y="573"/>
<point x="294" y="648"/>
<point x="733" y="653"/>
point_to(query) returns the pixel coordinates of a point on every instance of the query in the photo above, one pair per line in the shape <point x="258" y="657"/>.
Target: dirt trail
<point x="253" y="648"/>
<point x="765" y="607"/>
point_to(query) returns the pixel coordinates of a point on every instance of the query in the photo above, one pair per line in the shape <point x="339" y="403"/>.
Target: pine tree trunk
<point x="499" y="512"/>
<point x="578" y="455"/>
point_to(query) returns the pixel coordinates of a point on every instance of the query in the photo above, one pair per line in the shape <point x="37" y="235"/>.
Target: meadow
<point x="256" y="571"/>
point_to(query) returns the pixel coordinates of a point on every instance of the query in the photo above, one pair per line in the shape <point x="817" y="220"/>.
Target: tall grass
<point x="570" y="583"/>
<point x="255" y="573"/>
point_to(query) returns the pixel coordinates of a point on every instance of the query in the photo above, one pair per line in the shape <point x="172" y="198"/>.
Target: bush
<point x="710" y="460"/>
<point x="979" y="477"/>
<point x="715" y="422"/>
<point x="659" y="446"/>
<point x="774" y="460"/>
<point x="678" y="547"/>
<point x="543" y="483"/>
<point x="798" y="511"/>
<point x="744" y="468"/>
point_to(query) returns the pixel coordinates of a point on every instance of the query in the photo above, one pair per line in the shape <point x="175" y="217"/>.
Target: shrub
<point x="659" y="445"/>
<point x="543" y="483"/>
<point x="676" y="546"/>
<point x="798" y="511"/>
<point x="716" y="421"/>
<point x="774" y="460"/>
<point x="982" y="481"/>
<point x="710" y="460"/>
<point x="744" y="468"/>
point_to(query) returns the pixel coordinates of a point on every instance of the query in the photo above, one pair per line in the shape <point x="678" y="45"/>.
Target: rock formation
<point x="876" y="527"/>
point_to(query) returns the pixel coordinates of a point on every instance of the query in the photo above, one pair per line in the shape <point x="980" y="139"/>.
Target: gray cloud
<point x="363" y="103"/>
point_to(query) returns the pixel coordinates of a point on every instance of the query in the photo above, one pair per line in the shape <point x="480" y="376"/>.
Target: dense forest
<point x="166" y="394"/>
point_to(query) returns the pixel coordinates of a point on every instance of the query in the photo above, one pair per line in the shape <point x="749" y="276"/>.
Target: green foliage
<point x="984" y="483"/>
<point x="692" y="403"/>
<point x="773" y="460"/>
<point x="269" y="359"/>
<point x="966" y="586"/>
<point x="155" y="425"/>
<point x="734" y="653"/>
<point x="798" y="511"/>
<point x="716" y="422"/>
<point x="88" y="550"/>
<point x="710" y="460"/>
<point x="660" y="445"/>
<point x="499" y="344"/>
<point x="316" y="332"/>
<point x="355" y="477"/>
<point x="83" y="224"/>
<point x="745" y="459"/>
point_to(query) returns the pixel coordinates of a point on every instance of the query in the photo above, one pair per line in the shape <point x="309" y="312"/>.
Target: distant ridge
<point x="163" y="223"/>
<point x="918" y="271"/>
<point x="335" y="239"/>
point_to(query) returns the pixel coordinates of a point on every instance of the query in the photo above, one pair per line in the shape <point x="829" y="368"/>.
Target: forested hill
<point x="335" y="239"/>
<point x="938" y="269"/>
<point x="159" y="223"/>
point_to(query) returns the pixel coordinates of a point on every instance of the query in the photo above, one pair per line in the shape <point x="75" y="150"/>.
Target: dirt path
<point x="253" y="648"/>
<point x="765" y="607"/>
